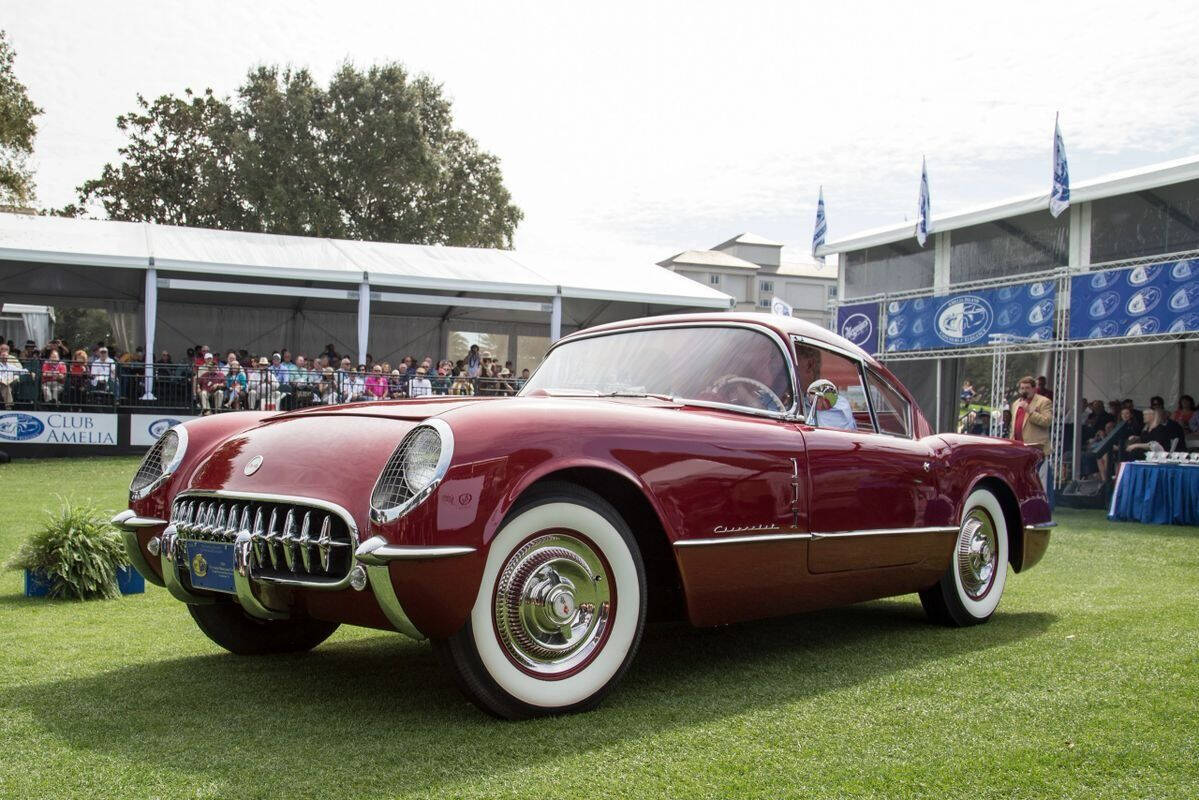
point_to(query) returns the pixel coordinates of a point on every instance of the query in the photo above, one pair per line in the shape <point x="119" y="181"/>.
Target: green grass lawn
<point x="1085" y="684"/>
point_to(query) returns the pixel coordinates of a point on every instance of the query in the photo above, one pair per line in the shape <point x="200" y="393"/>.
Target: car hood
<point x="424" y="408"/>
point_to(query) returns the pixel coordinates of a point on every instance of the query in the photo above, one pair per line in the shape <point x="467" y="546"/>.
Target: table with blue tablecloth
<point x="1155" y="493"/>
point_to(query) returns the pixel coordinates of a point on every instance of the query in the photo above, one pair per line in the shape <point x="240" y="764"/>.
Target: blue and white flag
<point x="780" y="306"/>
<point x="922" y="213"/>
<point x="1059" y="197"/>
<point x="821" y="228"/>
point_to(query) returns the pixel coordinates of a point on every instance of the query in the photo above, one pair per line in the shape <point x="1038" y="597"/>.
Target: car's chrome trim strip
<point x="758" y="537"/>
<point x="128" y="523"/>
<point x="781" y="537"/>
<point x="1040" y="526"/>
<point x="886" y="532"/>
<point x="380" y="581"/>
<point x="376" y="550"/>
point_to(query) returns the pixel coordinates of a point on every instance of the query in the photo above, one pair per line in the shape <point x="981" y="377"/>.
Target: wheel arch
<point x="1011" y="515"/>
<point x="664" y="580"/>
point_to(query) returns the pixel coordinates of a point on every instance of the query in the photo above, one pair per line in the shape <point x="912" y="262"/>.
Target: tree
<point x="17" y="130"/>
<point x="373" y="156"/>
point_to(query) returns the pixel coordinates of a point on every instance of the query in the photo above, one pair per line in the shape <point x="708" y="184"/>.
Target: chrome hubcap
<point x="977" y="553"/>
<point x="553" y="604"/>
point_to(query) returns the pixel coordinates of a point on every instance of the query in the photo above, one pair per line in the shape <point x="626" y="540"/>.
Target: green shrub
<point x="77" y="551"/>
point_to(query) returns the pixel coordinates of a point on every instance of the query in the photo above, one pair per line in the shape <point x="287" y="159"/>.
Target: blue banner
<point x="1135" y="301"/>
<point x="859" y="324"/>
<point x="969" y="319"/>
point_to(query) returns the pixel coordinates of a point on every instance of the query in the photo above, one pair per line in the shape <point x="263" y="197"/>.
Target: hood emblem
<point x="252" y="465"/>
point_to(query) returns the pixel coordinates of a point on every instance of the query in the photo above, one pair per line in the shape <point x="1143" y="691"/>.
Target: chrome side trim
<point x="124" y="522"/>
<point x="385" y="594"/>
<point x="761" y="537"/>
<point x="884" y="532"/>
<point x="287" y="499"/>
<point x="377" y="551"/>
<point x="127" y="520"/>
<point x="385" y="516"/>
<point x="1041" y="526"/>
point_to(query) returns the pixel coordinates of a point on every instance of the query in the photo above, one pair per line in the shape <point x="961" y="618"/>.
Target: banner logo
<point x="18" y="427"/>
<point x="1185" y="298"/>
<point x="857" y="328"/>
<point x="1102" y="280"/>
<point x="1139" y="276"/>
<point x="1183" y="324"/>
<point x="1104" y="305"/>
<point x="160" y="426"/>
<point x="1041" y="312"/>
<point x="895" y="306"/>
<point x="1104" y="330"/>
<point x="896" y="326"/>
<point x="1183" y="270"/>
<point x="1144" y="301"/>
<point x="1039" y="289"/>
<point x="1143" y="327"/>
<point x="964" y="320"/>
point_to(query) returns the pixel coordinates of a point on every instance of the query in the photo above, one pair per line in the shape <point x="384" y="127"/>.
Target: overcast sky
<point x="635" y="130"/>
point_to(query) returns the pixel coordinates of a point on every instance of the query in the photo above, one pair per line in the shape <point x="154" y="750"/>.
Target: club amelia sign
<point x="57" y="427"/>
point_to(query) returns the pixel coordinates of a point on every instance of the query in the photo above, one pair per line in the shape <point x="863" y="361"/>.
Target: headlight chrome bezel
<point x="168" y="468"/>
<point x="391" y="513"/>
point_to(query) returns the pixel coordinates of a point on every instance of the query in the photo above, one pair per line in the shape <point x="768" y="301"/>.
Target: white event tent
<point x="175" y="286"/>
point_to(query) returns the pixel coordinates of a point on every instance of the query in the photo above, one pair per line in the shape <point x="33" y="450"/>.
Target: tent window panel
<point x="893" y="267"/>
<point x="1012" y="246"/>
<point x="1153" y="222"/>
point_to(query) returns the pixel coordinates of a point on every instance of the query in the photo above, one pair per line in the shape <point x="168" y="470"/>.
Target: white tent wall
<point x="1140" y="372"/>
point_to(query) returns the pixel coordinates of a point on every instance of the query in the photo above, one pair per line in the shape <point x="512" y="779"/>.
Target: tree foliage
<point x="375" y="155"/>
<point x="17" y="130"/>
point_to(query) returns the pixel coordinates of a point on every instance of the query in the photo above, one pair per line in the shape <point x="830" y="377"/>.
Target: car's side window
<point x="893" y="412"/>
<point x="851" y="411"/>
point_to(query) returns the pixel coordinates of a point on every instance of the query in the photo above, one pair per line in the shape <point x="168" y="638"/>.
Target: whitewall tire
<point x="559" y="611"/>
<point x="969" y="591"/>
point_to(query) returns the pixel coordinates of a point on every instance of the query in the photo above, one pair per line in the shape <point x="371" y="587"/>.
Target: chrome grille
<point x="150" y="468"/>
<point x="290" y="542"/>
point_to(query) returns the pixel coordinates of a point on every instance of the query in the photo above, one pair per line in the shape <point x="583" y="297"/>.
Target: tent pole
<point x="556" y="319"/>
<point x="150" y="306"/>
<point x="364" y="317"/>
<point x="1076" y="400"/>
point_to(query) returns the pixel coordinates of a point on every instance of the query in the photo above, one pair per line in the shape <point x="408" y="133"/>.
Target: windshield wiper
<point x="654" y="395"/>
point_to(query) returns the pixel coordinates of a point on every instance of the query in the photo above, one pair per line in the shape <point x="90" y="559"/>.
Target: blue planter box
<point x="129" y="580"/>
<point x="36" y="584"/>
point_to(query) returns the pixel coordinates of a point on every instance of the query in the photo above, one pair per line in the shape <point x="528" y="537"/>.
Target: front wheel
<point x="969" y="591"/>
<point x="236" y="631"/>
<point x="560" y="609"/>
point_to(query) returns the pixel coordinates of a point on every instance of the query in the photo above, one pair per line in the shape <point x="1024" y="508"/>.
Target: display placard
<point x="58" y="427"/>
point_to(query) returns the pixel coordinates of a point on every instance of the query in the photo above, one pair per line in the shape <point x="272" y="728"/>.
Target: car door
<point x="870" y="483"/>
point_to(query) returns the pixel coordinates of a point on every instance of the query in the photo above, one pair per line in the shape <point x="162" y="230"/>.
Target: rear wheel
<point x="560" y="609"/>
<point x="969" y="591"/>
<point x="236" y="631"/>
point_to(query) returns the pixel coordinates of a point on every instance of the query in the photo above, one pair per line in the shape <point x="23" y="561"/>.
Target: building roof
<point x="137" y="245"/>
<point x="1117" y="183"/>
<point x="808" y="269"/>
<point x="749" y="238"/>
<point x="709" y="258"/>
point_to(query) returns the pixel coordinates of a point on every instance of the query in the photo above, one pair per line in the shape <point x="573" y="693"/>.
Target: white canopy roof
<point x="135" y="245"/>
<point x="1134" y="180"/>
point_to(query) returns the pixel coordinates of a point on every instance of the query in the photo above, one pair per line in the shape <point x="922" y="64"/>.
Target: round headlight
<point x="420" y="460"/>
<point x="160" y="461"/>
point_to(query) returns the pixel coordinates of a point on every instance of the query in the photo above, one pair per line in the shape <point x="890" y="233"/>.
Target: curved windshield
<point x="734" y="366"/>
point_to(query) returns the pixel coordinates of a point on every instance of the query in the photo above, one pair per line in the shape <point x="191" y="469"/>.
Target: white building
<point x="751" y="269"/>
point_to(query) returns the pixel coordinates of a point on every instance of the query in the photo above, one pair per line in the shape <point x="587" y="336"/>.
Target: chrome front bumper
<point x="374" y="556"/>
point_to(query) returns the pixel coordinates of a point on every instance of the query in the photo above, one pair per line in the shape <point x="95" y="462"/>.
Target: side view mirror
<point x="820" y="391"/>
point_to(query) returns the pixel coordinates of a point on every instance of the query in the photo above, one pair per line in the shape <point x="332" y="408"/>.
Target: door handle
<point x="927" y="466"/>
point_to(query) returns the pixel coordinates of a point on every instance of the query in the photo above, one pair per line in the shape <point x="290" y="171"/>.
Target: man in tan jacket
<point x="1032" y="415"/>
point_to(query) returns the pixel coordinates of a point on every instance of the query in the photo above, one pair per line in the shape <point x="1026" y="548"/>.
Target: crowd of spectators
<point x="208" y="382"/>
<point x="1118" y="431"/>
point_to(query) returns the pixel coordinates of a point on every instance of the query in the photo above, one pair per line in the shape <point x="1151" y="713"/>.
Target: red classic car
<point x="716" y="467"/>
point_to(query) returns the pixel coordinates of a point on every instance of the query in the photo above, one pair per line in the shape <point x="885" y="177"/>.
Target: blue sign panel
<point x="211" y="565"/>
<point x="969" y="319"/>
<point x="859" y="324"/>
<point x="1135" y="301"/>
